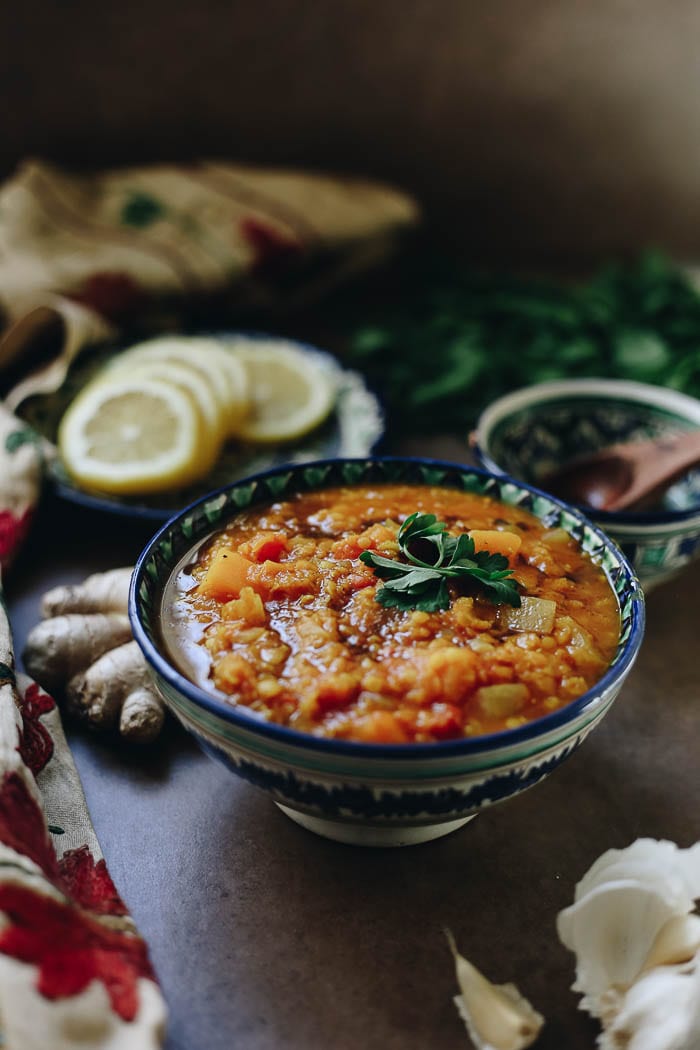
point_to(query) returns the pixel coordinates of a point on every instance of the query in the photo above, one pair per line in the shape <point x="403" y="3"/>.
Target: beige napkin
<point x="81" y="255"/>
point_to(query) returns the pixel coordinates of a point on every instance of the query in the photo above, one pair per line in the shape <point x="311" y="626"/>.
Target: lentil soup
<point x="276" y="612"/>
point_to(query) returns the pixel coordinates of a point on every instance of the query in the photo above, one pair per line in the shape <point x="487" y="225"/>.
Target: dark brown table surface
<point x="265" y="936"/>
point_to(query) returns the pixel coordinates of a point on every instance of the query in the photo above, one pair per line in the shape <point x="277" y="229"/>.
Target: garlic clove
<point x="661" y="1011"/>
<point x="659" y="864"/>
<point x="611" y="931"/>
<point x="497" y="1017"/>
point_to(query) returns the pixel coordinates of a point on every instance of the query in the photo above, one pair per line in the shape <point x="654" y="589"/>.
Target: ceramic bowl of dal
<point x="375" y="794"/>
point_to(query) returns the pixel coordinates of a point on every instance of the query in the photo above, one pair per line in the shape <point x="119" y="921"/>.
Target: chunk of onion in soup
<point x="534" y="614"/>
<point x="503" y="700"/>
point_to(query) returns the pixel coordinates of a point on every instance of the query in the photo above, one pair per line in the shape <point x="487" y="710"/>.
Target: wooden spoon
<point x="625" y="477"/>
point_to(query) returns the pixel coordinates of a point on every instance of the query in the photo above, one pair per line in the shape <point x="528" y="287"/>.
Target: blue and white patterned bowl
<point x="373" y="794"/>
<point x="530" y="432"/>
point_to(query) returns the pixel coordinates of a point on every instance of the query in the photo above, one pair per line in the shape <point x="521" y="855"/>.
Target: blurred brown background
<point x="559" y="131"/>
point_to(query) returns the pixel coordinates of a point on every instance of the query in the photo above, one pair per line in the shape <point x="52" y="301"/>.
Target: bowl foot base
<point x="367" y="835"/>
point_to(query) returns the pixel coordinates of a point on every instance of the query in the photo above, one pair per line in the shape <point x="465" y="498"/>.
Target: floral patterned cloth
<point x="73" y="968"/>
<point x="81" y="254"/>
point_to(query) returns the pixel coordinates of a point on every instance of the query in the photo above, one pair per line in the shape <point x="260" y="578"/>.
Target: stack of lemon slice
<point x="156" y="417"/>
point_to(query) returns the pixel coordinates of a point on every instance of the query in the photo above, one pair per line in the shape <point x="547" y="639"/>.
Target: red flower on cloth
<point x="71" y="949"/>
<point x="112" y="294"/>
<point x="89" y="883"/>
<point x="35" y="745"/>
<point x="273" y="252"/>
<point x="66" y="939"/>
<point x="22" y="825"/>
<point x="13" y="529"/>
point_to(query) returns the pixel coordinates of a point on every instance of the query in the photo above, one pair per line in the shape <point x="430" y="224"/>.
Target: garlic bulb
<point x="637" y="946"/>
<point x="658" y="865"/>
<point x="497" y="1016"/>
<point x="661" y="1011"/>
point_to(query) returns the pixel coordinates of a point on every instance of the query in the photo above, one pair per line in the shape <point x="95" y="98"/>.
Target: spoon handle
<point x="666" y="460"/>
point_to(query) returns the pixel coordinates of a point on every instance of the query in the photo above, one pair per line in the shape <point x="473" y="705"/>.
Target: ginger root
<point x="84" y="651"/>
<point x="118" y="682"/>
<point x="102" y="592"/>
<point x="58" y="648"/>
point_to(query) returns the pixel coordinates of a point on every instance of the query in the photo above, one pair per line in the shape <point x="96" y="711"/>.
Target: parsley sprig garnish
<point x="433" y="557"/>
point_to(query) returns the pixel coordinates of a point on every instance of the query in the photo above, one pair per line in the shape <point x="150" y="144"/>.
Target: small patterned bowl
<point x="371" y="794"/>
<point x="529" y="433"/>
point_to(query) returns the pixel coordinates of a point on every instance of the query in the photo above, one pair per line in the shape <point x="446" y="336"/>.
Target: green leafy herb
<point x="440" y="340"/>
<point x="433" y="557"/>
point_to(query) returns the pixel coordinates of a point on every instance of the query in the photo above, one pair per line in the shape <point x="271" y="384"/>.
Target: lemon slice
<point x="290" y="392"/>
<point x="240" y="402"/>
<point x="133" y="435"/>
<point x="188" y="379"/>
<point x="225" y="375"/>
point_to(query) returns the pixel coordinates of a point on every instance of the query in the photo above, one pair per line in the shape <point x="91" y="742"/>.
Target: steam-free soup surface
<point x="290" y="627"/>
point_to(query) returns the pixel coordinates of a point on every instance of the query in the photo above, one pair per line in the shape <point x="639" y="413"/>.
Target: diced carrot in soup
<point x="496" y="541"/>
<point x="226" y="576"/>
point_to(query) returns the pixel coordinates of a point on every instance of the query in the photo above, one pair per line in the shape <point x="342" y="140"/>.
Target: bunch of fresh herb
<point x="440" y="341"/>
<point x="433" y="557"/>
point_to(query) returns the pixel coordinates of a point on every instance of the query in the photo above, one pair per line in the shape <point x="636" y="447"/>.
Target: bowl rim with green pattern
<point x="668" y="403"/>
<point x="187" y="529"/>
